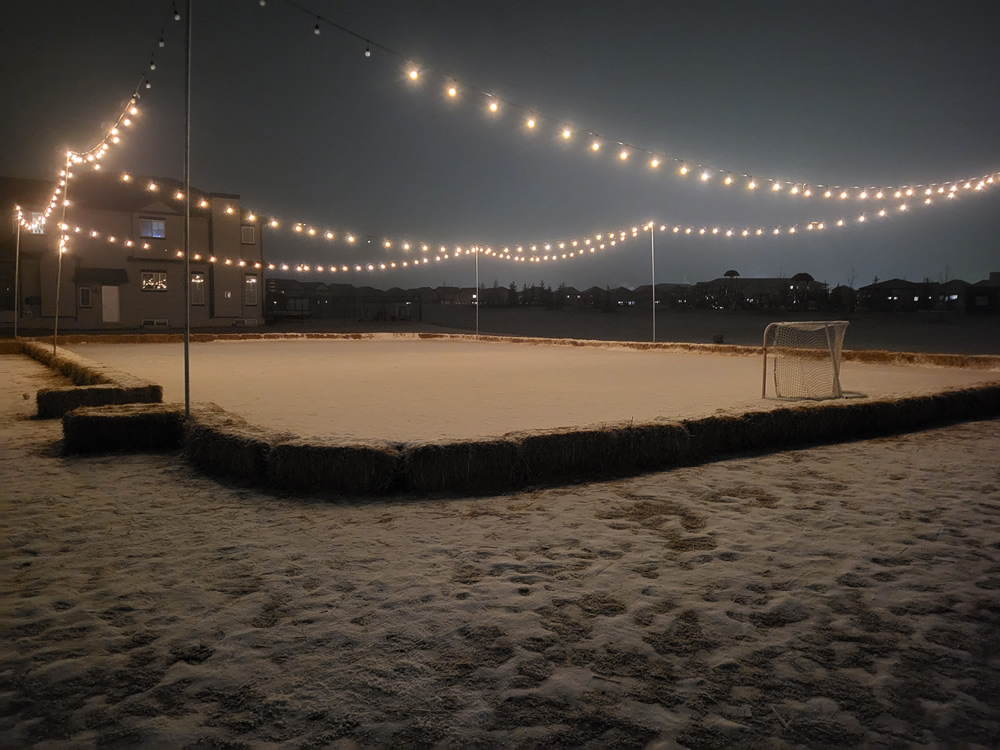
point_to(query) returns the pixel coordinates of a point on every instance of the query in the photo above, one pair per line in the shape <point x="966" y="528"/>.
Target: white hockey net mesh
<point x="805" y="357"/>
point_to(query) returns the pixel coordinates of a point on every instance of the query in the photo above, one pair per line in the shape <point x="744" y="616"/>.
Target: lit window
<point x="250" y="289"/>
<point x="248" y="235"/>
<point x="154" y="281"/>
<point x="153" y="228"/>
<point x="197" y="288"/>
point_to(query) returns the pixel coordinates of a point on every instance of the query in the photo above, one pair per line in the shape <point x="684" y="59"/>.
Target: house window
<point x="154" y="229"/>
<point x="248" y="235"/>
<point x="154" y="281"/>
<point x="250" y="289"/>
<point x="37" y="222"/>
<point x="197" y="289"/>
<point x="85" y="296"/>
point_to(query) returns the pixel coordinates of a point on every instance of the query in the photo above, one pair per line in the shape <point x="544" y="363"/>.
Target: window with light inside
<point x="154" y="281"/>
<point x="153" y="229"/>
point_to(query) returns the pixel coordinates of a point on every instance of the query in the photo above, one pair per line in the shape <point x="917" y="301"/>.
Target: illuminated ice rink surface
<point x="426" y="390"/>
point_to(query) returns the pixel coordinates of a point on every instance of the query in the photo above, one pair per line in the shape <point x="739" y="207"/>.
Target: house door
<point x="109" y="304"/>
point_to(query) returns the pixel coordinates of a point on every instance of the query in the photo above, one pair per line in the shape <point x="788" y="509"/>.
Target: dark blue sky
<point x="307" y="128"/>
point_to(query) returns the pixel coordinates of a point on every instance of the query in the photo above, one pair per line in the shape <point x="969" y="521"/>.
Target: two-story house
<point x="123" y="266"/>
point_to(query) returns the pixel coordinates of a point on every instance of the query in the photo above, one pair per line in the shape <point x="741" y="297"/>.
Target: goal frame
<point x="827" y="326"/>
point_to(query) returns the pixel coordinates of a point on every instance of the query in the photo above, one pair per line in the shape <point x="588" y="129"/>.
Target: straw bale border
<point x="94" y="384"/>
<point x="226" y="445"/>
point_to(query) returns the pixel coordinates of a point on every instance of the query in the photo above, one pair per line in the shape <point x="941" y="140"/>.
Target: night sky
<point x="307" y="128"/>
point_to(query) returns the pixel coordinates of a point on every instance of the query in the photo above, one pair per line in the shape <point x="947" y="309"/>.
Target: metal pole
<point x="652" y="264"/>
<point x="17" y="270"/>
<point x="62" y="247"/>
<point x="187" y="217"/>
<point x="475" y="252"/>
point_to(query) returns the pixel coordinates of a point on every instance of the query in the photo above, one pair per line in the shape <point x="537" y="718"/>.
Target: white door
<point x="109" y="304"/>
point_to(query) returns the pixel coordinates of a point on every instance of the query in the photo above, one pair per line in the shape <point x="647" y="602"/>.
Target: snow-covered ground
<point x="423" y="390"/>
<point x="840" y="596"/>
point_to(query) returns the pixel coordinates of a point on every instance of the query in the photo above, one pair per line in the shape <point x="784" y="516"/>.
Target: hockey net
<point x="805" y="357"/>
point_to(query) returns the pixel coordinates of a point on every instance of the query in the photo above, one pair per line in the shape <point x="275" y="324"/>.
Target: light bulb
<point x="316" y="29"/>
<point x="704" y="176"/>
<point x="531" y="122"/>
<point x="368" y="53"/>
<point x="452" y="91"/>
<point x="493" y="106"/>
<point x="414" y="74"/>
<point x="566" y="133"/>
<point x="654" y="162"/>
<point x="623" y="155"/>
<point x="683" y="170"/>
<point x="595" y="146"/>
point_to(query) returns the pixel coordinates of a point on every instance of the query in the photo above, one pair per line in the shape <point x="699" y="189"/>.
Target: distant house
<point x="124" y="263"/>
<point x="760" y="293"/>
<point x="893" y="295"/>
<point x="951" y="294"/>
<point x="984" y="296"/>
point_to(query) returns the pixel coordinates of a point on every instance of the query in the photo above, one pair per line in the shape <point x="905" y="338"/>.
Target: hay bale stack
<point x="225" y="445"/>
<point x="327" y="467"/>
<point x="477" y="466"/>
<point x="125" y="427"/>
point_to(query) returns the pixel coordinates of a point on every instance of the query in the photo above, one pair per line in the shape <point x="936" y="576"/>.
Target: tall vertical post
<point x="475" y="252"/>
<point x="187" y="216"/>
<point x="17" y="269"/>
<point x="62" y="248"/>
<point x="652" y="264"/>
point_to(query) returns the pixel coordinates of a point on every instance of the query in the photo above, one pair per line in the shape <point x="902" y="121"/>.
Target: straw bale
<point x="718" y="435"/>
<point x="476" y="466"/>
<point x="11" y="346"/>
<point x="328" y="467"/>
<point x="124" y="427"/>
<point x="605" y="451"/>
<point x="55" y="402"/>
<point x="224" y="444"/>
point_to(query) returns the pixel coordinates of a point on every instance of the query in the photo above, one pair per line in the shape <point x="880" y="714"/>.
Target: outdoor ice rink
<point x="409" y="390"/>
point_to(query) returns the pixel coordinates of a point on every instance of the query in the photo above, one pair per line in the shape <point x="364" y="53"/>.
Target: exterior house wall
<point x="93" y="263"/>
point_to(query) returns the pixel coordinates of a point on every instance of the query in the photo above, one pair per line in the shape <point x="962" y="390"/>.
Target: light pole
<point x="652" y="265"/>
<point x="63" y="239"/>
<point x="475" y="252"/>
<point x="187" y="217"/>
<point x="17" y="268"/>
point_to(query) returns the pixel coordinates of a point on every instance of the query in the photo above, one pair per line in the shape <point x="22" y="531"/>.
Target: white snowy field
<point x="400" y="389"/>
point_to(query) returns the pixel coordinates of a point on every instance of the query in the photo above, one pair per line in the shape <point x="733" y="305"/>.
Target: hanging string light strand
<point x="594" y="143"/>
